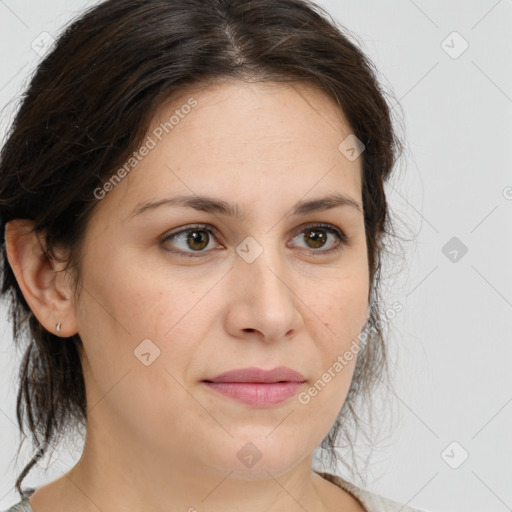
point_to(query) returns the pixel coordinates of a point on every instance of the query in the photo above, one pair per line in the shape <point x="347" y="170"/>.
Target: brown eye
<point x="319" y="236"/>
<point x="194" y="239"/>
<point x="197" y="240"/>
<point x="315" y="238"/>
<point x="319" y="239"/>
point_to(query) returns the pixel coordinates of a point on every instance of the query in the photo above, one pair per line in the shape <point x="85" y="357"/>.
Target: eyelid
<point x="324" y="225"/>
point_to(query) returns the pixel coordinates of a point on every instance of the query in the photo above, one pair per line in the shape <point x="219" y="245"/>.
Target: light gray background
<point x="453" y="336"/>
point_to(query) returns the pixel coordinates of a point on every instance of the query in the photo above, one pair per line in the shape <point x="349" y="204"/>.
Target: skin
<point x="265" y="147"/>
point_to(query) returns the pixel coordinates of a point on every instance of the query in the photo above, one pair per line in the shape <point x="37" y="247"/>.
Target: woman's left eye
<point x="198" y="239"/>
<point x="318" y="235"/>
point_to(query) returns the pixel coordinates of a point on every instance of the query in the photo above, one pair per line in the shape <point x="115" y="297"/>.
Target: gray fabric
<point x="22" y="506"/>
<point x="370" y="501"/>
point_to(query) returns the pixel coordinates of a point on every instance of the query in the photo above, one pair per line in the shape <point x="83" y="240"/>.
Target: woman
<point x="193" y="204"/>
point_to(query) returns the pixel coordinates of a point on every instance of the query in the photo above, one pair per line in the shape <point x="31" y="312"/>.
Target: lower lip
<point x="257" y="394"/>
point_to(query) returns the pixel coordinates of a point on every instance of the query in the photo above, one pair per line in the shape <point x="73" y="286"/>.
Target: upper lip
<point x="254" y="374"/>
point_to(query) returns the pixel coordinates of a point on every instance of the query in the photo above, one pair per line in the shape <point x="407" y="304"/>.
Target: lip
<point x="254" y="375"/>
<point x="258" y="387"/>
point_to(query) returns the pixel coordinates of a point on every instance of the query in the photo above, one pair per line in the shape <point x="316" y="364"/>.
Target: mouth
<point x="257" y="387"/>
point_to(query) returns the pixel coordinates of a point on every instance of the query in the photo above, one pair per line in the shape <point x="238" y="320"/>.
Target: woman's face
<point x="167" y="304"/>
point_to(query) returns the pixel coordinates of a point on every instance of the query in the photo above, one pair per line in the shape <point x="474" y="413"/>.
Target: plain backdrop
<point x="448" y="64"/>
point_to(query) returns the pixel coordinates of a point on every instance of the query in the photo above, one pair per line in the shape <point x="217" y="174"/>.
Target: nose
<point x="264" y="303"/>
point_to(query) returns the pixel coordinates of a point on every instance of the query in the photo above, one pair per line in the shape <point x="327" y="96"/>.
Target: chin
<point x="255" y="460"/>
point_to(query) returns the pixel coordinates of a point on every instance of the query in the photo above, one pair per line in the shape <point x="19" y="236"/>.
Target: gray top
<point x="23" y="505"/>
<point x="371" y="502"/>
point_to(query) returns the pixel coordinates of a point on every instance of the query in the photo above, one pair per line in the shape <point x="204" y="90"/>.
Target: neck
<point x="151" y="479"/>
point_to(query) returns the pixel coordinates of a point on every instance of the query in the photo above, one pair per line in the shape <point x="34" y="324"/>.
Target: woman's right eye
<point x="197" y="238"/>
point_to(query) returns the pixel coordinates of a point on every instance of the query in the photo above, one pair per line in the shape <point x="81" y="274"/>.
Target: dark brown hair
<point x="88" y="107"/>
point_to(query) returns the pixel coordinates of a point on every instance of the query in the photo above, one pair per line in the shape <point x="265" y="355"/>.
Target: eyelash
<point x="340" y="235"/>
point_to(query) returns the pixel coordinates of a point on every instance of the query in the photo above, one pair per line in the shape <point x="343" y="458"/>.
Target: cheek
<point x="343" y="308"/>
<point x="137" y="331"/>
<point x="123" y="304"/>
<point x="132" y="370"/>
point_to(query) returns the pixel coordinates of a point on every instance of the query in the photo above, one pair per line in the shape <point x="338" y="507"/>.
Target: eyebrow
<point x="220" y="207"/>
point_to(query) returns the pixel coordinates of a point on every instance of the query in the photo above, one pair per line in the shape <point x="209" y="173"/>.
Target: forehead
<point x="231" y="110"/>
<point x="245" y="140"/>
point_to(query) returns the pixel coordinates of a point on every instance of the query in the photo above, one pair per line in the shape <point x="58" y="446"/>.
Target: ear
<point x="43" y="284"/>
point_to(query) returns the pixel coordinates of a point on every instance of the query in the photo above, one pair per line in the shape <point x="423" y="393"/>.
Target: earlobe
<point x="37" y="278"/>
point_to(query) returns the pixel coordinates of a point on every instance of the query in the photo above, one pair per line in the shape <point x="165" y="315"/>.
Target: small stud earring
<point x="57" y="327"/>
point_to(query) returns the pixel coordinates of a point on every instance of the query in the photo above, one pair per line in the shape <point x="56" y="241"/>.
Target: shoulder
<point x="23" y="505"/>
<point x="371" y="501"/>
